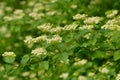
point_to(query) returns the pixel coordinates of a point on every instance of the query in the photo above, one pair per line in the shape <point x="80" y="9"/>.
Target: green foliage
<point x="24" y="59"/>
<point x="59" y="40"/>
<point x="117" y="55"/>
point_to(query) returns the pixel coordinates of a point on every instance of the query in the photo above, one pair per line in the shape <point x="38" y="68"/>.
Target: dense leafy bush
<point x="59" y="40"/>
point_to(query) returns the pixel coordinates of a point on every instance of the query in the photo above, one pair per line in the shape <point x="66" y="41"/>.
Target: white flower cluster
<point x="112" y="24"/>
<point x="103" y="70"/>
<point x="2" y="5"/>
<point x="72" y="26"/>
<point x="17" y="14"/>
<point x="80" y="62"/>
<point x="86" y="27"/>
<point x="40" y="38"/>
<point x="56" y="29"/>
<point x="1" y="12"/>
<point x="79" y="16"/>
<point x="45" y="27"/>
<point x="118" y="76"/>
<point x="2" y="68"/>
<point x="82" y="77"/>
<point x="111" y="13"/>
<point x="64" y="75"/>
<point x="92" y="20"/>
<point x="29" y="41"/>
<point x="9" y="54"/>
<point x="65" y="62"/>
<point x="54" y="39"/>
<point x="36" y="15"/>
<point x="36" y="7"/>
<point x="51" y="13"/>
<point x="87" y="36"/>
<point x="74" y="6"/>
<point x="39" y="51"/>
<point x="91" y="74"/>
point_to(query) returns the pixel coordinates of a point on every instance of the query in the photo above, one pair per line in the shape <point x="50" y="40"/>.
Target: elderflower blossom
<point x="64" y="75"/>
<point x="33" y="15"/>
<point x="92" y="20"/>
<point x="45" y="27"/>
<point x="112" y="24"/>
<point x="103" y="70"/>
<point x="56" y="30"/>
<point x="9" y="54"/>
<point x="18" y="14"/>
<point x="86" y="27"/>
<point x="91" y="74"/>
<point x="32" y="75"/>
<point x="3" y="30"/>
<point x="51" y="13"/>
<point x="24" y="74"/>
<point x="72" y="26"/>
<point x="8" y="8"/>
<point x="11" y="78"/>
<point x="82" y="78"/>
<point x="73" y="6"/>
<point x="39" y="51"/>
<point x="79" y="16"/>
<point x="87" y="36"/>
<point x="8" y="18"/>
<point x="54" y="39"/>
<point x="2" y="68"/>
<point x="40" y="38"/>
<point x="29" y="41"/>
<point x="81" y="62"/>
<point x="1" y="12"/>
<point x="118" y="77"/>
<point x="111" y="13"/>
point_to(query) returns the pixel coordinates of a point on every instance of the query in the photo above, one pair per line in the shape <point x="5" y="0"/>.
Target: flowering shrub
<point x="59" y="40"/>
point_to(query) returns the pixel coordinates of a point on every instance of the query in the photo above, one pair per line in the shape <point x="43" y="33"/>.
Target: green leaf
<point x="44" y="65"/>
<point x="25" y="59"/>
<point x="9" y="59"/>
<point x="116" y="55"/>
<point x="63" y="56"/>
<point x="99" y="54"/>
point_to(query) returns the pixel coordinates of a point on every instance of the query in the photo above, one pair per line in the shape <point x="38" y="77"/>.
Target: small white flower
<point x="92" y="20"/>
<point x="87" y="36"/>
<point x="81" y="62"/>
<point x="79" y="16"/>
<point x="18" y="14"/>
<point x="32" y="75"/>
<point x="45" y="27"/>
<point x="111" y="13"/>
<point x="103" y="70"/>
<point x="11" y="78"/>
<point x="40" y="38"/>
<point x="54" y="39"/>
<point x="86" y="27"/>
<point x="2" y="68"/>
<point x="64" y="75"/>
<point x="24" y="74"/>
<point x="118" y="77"/>
<point x="82" y="78"/>
<point x="39" y="51"/>
<point x="73" y="6"/>
<point x="29" y="41"/>
<point x="72" y="26"/>
<point x="9" y="54"/>
<point x="56" y="30"/>
<point x="91" y="74"/>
